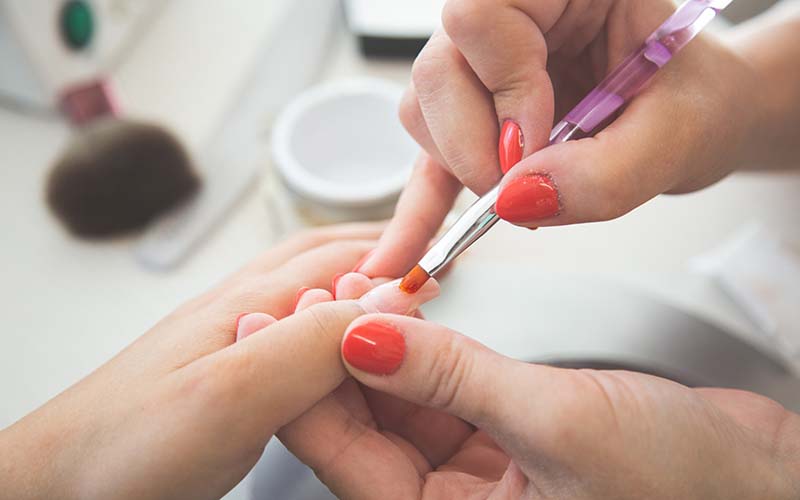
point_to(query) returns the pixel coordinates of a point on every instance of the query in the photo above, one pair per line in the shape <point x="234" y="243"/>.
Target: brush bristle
<point x="116" y="176"/>
<point x="414" y="280"/>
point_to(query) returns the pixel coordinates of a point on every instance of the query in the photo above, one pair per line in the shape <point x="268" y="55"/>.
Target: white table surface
<point x="68" y="305"/>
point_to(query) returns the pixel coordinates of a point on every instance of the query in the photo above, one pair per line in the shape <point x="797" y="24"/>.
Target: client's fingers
<point x="422" y="207"/>
<point x="351" y="286"/>
<point x="271" y="378"/>
<point x="248" y="324"/>
<point x="437" y="435"/>
<point x="308" y="297"/>
<point x="307" y="240"/>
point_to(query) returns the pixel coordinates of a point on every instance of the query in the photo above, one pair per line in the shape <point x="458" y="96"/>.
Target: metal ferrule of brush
<point x="472" y="224"/>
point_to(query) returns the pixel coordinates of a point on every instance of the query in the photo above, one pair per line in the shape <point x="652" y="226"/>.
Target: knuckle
<point x="450" y="371"/>
<point x="410" y="113"/>
<point x="438" y="58"/>
<point x="591" y="392"/>
<point x="217" y="383"/>
<point x="464" y="18"/>
<point x="309" y="237"/>
<point x="426" y="69"/>
<point x="324" y="324"/>
<point x="343" y="247"/>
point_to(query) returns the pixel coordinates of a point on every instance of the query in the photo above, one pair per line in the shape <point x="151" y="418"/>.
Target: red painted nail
<point x="375" y="348"/>
<point x="334" y="282"/>
<point x="511" y="145"/>
<point x="363" y="260"/>
<point x="298" y="296"/>
<point x="528" y="198"/>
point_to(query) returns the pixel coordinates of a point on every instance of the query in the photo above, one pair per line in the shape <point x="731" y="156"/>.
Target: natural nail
<point x="528" y="198"/>
<point x="363" y="261"/>
<point x="375" y="348"/>
<point x="510" y="145"/>
<point x="389" y="298"/>
<point x="298" y="296"/>
<point x="335" y="282"/>
<point x="249" y="323"/>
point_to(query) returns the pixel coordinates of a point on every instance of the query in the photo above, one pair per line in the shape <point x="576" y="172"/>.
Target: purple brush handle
<point x="618" y="88"/>
<point x="634" y="72"/>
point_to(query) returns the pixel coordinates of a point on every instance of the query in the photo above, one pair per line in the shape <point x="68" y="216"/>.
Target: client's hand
<point x="539" y="432"/>
<point x="184" y="412"/>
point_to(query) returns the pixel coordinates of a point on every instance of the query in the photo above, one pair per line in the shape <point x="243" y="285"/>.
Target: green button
<point x="77" y="24"/>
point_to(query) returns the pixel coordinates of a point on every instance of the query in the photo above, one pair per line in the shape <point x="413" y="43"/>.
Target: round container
<point x="341" y="151"/>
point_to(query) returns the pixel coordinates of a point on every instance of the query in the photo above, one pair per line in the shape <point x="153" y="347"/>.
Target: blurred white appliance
<point x="50" y="46"/>
<point x="392" y="28"/>
<point x="297" y="39"/>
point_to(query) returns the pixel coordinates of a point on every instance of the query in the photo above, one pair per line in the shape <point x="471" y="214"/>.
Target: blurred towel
<point x="760" y="272"/>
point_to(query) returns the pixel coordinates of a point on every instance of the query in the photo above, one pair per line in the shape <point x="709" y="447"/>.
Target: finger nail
<point x="389" y="298"/>
<point x="312" y="297"/>
<point x="249" y="323"/>
<point x="511" y="145"/>
<point x="375" y="348"/>
<point x="363" y="260"/>
<point x="528" y="198"/>
<point x="239" y="319"/>
<point x="298" y="296"/>
<point x="352" y="286"/>
<point x="335" y="282"/>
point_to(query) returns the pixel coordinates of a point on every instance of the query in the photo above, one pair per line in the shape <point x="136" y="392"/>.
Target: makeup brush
<point x="618" y="88"/>
<point x="116" y="176"/>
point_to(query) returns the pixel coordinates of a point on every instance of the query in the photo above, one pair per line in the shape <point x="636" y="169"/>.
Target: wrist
<point x="30" y="453"/>
<point x="17" y="466"/>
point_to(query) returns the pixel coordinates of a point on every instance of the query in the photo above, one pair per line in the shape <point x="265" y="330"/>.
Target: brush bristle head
<point x="116" y="176"/>
<point x="414" y="280"/>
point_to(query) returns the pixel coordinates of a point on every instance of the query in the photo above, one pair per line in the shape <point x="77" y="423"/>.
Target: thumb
<point x="433" y="366"/>
<point x="275" y="374"/>
<point x="658" y="144"/>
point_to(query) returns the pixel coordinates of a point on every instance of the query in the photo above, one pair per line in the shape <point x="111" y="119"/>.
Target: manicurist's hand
<point x="185" y="411"/>
<point x="439" y="416"/>
<point x="502" y="71"/>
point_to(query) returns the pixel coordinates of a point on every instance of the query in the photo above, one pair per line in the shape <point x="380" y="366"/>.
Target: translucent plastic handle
<point x="635" y="71"/>
<point x="615" y="90"/>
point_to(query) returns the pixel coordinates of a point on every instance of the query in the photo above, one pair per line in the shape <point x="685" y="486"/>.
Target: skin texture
<point x="184" y="412"/>
<point x="530" y="61"/>
<point x="457" y="420"/>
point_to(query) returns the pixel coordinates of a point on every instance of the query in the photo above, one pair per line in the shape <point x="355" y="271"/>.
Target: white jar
<point x="341" y="151"/>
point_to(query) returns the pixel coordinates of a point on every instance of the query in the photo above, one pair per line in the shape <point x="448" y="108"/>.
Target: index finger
<point x="422" y="208"/>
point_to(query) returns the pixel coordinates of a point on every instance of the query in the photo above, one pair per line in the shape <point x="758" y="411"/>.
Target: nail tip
<point x="364" y="260"/>
<point x="299" y="295"/>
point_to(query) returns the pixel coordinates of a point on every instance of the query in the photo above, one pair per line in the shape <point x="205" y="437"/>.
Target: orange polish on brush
<point x="414" y="280"/>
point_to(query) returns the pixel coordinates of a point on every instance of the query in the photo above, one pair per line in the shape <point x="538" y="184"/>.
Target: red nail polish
<point x="363" y="261"/>
<point x="334" y="282"/>
<point x="510" y="146"/>
<point x="528" y="198"/>
<point x="298" y="296"/>
<point x="375" y="348"/>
